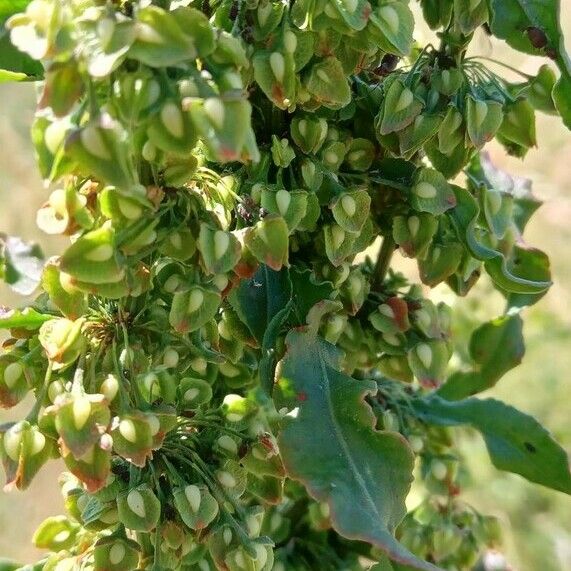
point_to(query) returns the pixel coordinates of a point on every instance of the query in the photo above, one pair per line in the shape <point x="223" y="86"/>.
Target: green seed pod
<point x="192" y="309"/>
<point x="93" y="468"/>
<point x="171" y="129"/>
<point x="451" y="131"/>
<point x="351" y="210"/>
<point x="268" y="242"/>
<point x="56" y="533"/>
<point x="414" y="233"/>
<point x="448" y="81"/>
<point x="64" y="212"/>
<point x="79" y="420"/>
<point x="240" y="560"/>
<point x="13" y="383"/>
<point x="282" y="153"/>
<point x="446" y="541"/>
<point x="133" y="437"/>
<point x="392" y="25"/>
<point x="431" y="192"/>
<point x="196" y="506"/>
<point x="338" y="243"/>
<point x="101" y="149"/>
<point x="440" y="262"/>
<point x="93" y="258"/>
<point x="263" y="462"/>
<point x="62" y="341"/>
<point x="428" y="361"/>
<point x="395" y="367"/>
<point x="179" y="245"/>
<point x="116" y="554"/>
<point x="23" y="450"/>
<point x="391" y="317"/>
<point x="308" y="133"/>
<point x="135" y="95"/>
<point x="139" y="508"/>
<point x="290" y="205"/>
<point x="483" y="119"/>
<point x="360" y="155"/>
<point x="399" y="109"/>
<point x="220" y="250"/>
<point x="122" y="208"/>
<point x="193" y="393"/>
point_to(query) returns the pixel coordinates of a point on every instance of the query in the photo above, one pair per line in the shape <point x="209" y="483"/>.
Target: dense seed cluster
<point x="221" y="168"/>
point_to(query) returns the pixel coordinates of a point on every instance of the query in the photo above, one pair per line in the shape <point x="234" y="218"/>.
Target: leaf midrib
<point x="340" y="437"/>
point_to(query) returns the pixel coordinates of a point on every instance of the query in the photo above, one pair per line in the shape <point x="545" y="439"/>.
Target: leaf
<point x="330" y="444"/>
<point x="21" y="264"/>
<point x="512" y="21"/>
<point x="269" y="358"/>
<point x="516" y="442"/>
<point x="259" y="299"/>
<point x="27" y="318"/>
<point x="464" y="217"/>
<point x="496" y="347"/>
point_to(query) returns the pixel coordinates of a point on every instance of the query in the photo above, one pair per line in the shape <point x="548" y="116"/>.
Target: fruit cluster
<point x="220" y="168"/>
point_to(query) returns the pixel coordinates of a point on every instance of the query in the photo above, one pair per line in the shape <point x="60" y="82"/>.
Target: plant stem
<point x="383" y="262"/>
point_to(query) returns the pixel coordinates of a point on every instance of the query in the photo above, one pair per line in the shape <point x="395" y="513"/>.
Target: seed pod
<point x="135" y="95"/>
<point x="282" y="152"/>
<point x="440" y="262"/>
<point x="116" y="554"/>
<point x="308" y="132"/>
<point x="133" y="437"/>
<point x="351" y="210"/>
<point x="290" y="205"/>
<point x="139" y="508"/>
<point x="360" y="155"/>
<point x="23" y="450"/>
<point x="101" y="149"/>
<point x="56" y="533"/>
<point x="483" y="119"/>
<point x="240" y="560"/>
<point x="220" y="250"/>
<point x="268" y="242"/>
<point x="93" y="467"/>
<point x="260" y="462"/>
<point x="171" y="129"/>
<point x="193" y="393"/>
<point x="196" y="506"/>
<point x="80" y="421"/>
<point x="392" y="25"/>
<point x="428" y="361"/>
<point x="93" y="258"/>
<point x="448" y="81"/>
<point x="179" y="245"/>
<point x="191" y="309"/>
<point x="62" y="341"/>
<point x="414" y="233"/>
<point x="391" y="317"/>
<point x="13" y="382"/>
<point x="395" y="367"/>
<point x="431" y="192"/>
<point x="399" y="109"/>
<point x="338" y="243"/>
<point x="471" y="15"/>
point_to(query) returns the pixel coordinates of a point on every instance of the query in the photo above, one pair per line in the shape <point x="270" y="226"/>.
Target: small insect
<point x="537" y="37"/>
<point x="388" y="65"/>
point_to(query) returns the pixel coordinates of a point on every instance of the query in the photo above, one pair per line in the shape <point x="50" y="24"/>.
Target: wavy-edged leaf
<point x="516" y="442"/>
<point x="518" y="21"/>
<point x="496" y="347"/>
<point x="330" y="444"/>
<point x="464" y="217"/>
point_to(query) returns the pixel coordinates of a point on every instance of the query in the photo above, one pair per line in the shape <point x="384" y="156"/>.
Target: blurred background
<point x="537" y="522"/>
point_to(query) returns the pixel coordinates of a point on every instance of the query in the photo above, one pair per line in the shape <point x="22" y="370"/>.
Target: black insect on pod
<point x="388" y="65"/>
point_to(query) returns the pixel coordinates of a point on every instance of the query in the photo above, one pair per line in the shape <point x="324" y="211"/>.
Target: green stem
<point x="32" y="417"/>
<point x="383" y="262"/>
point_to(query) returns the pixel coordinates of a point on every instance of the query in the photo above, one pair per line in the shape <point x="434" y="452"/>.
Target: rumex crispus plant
<point x="232" y="372"/>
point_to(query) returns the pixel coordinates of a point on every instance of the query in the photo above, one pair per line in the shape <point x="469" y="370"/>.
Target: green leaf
<point x="21" y="264"/>
<point x="464" y="217"/>
<point x="330" y="444"/>
<point x="27" y="318"/>
<point x="259" y="299"/>
<point x="512" y="21"/>
<point x="516" y="442"/>
<point x="496" y="347"/>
